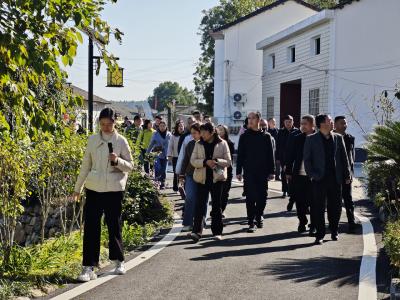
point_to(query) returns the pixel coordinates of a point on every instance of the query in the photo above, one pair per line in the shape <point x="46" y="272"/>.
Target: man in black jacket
<point x="281" y="146"/>
<point x="327" y="165"/>
<point x="256" y="160"/>
<point x="273" y="131"/>
<point x="295" y="172"/>
<point x="340" y="127"/>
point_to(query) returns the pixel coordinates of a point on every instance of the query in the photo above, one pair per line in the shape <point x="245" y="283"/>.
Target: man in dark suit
<point x="327" y="165"/>
<point x="295" y="172"/>
<point x="281" y="146"/>
<point x="340" y="127"/>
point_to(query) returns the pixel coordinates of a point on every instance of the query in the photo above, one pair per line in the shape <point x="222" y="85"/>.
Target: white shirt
<point x="182" y="154"/>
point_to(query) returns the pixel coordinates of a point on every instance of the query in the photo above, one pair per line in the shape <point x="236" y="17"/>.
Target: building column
<point x="219" y="79"/>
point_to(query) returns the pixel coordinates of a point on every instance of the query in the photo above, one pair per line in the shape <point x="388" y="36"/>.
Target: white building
<point x="238" y="65"/>
<point x="336" y="61"/>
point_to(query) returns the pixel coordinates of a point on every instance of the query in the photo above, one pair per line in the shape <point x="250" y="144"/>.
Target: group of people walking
<point x="315" y="164"/>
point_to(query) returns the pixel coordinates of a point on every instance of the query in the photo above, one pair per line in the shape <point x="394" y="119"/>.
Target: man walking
<point x="256" y="160"/>
<point x="273" y="131"/>
<point x="295" y="172"/>
<point x="326" y="163"/>
<point x="340" y="127"/>
<point x="281" y="146"/>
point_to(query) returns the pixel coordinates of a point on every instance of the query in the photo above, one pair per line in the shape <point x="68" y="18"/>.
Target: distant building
<point x="98" y="104"/>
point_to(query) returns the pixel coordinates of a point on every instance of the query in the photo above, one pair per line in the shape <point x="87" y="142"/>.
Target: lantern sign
<point x="115" y="77"/>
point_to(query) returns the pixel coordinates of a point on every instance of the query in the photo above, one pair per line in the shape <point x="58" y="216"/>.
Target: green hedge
<point x="391" y="241"/>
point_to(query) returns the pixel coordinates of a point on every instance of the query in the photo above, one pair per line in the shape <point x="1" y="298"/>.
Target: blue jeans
<point x="190" y="201"/>
<point x="161" y="169"/>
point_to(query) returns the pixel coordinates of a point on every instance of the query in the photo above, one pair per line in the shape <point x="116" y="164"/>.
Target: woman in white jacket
<point x="173" y="152"/>
<point x="104" y="173"/>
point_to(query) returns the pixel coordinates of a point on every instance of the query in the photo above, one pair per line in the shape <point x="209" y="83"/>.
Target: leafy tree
<point x="34" y="37"/>
<point x="168" y="91"/>
<point x="226" y="12"/>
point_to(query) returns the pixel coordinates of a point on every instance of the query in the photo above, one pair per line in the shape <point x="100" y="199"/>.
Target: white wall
<point x="367" y="36"/>
<point x="245" y="67"/>
<point x="285" y="71"/>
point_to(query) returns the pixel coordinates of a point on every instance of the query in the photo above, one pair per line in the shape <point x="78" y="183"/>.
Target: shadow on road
<point x="321" y="270"/>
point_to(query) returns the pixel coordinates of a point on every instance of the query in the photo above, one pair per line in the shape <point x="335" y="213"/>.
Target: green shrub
<point x="143" y="203"/>
<point x="391" y="241"/>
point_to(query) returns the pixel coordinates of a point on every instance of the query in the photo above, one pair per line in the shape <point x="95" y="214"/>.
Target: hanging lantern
<point x="115" y="77"/>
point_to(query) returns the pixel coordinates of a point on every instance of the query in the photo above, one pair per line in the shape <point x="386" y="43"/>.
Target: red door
<point x="290" y="102"/>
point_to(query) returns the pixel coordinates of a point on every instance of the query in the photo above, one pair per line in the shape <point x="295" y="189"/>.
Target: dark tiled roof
<point x="344" y="3"/>
<point x="263" y="9"/>
<point x="84" y="94"/>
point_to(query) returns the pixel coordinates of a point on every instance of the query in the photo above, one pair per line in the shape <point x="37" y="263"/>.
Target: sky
<point x="160" y="43"/>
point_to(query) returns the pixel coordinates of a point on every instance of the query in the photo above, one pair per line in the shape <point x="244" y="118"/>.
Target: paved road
<point x="274" y="263"/>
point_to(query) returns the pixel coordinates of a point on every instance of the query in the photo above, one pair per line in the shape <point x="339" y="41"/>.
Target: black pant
<point x="110" y="204"/>
<point x="203" y="190"/>
<point x="326" y="194"/>
<point x="348" y="202"/>
<point x="302" y="194"/>
<point x="226" y="189"/>
<point x="175" y="184"/>
<point x="256" y="196"/>
<point x="146" y="163"/>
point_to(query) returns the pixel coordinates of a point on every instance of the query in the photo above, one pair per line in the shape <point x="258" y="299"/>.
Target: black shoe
<point x="194" y="236"/>
<point x="353" y="227"/>
<point x="312" y="232"/>
<point x="243" y="194"/>
<point x="302" y="228"/>
<point x="318" y="241"/>
<point x="284" y="195"/>
<point x="289" y="207"/>
<point x="252" y="228"/>
<point x="334" y="236"/>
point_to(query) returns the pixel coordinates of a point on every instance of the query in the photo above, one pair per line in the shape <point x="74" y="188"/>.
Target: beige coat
<point x="221" y="155"/>
<point x="96" y="172"/>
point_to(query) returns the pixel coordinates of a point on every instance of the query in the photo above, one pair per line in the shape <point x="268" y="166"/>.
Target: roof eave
<point x="315" y="20"/>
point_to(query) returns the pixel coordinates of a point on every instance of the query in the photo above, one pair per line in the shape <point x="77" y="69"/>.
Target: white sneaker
<point x="119" y="268"/>
<point x="87" y="274"/>
<point x="218" y="237"/>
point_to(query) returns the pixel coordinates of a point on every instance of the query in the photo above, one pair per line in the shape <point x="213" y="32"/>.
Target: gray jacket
<point x="314" y="158"/>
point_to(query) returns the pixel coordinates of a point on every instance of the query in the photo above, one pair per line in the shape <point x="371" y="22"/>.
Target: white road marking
<point x="146" y="255"/>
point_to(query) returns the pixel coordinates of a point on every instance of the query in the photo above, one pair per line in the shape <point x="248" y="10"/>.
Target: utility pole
<point x="90" y="87"/>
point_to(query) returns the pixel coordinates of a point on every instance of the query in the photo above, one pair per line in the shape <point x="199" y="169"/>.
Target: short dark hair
<point x="137" y="117"/>
<point x="195" y="126"/>
<point x="287" y="117"/>
<point x="309" y="118"/>
<point x="158" y="117"/>
<point x="338" y="118"/>
<point x="320" y="119"/>
<point x="107" y="113"/>
<point x="270" y="119"/>
<point x="208" y="127"/>
<point x="195" y="112"/>
<point x="205" y="116"/>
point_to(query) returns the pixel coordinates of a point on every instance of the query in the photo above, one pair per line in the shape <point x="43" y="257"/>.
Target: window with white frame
<point x="292" y="54"/>
<point x="270" y="107"/>
<point x="316" y="45"/>
<point x="313" y="104"/>
<point x="271" y="62"/>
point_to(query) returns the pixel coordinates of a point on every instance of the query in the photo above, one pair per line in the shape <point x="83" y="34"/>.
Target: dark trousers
<point x="203" y="190"/>
<point x="256" y="196"/>
<point x="302" y="194"/>
<point x="110" y="204"/>
<point x="145" y="161"/>
<point x="326" y="194"/>
<point x="160" y="168"/>
<point x="225" y="190"/>
<point x="175" y="183"/>
<point x="348" y="202"/>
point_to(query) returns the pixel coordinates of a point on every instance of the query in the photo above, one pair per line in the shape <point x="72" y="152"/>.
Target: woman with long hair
<point x="223" y="133"/>
<point x="104" y="173"/>
<point x="159" y="145"/>
<point x="173" y="153"/>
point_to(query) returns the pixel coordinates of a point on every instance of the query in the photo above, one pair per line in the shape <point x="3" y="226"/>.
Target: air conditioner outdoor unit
<point x="239" y="99"/>
<point x="239" y="115"/>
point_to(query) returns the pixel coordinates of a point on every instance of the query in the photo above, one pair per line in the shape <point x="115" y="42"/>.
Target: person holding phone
<point x="104" y="173"/>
